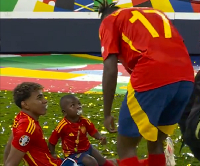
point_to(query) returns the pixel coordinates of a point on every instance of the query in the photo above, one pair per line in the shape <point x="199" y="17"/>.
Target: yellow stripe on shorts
<point x="146" y="129"/>
<point x="169" y="129"/>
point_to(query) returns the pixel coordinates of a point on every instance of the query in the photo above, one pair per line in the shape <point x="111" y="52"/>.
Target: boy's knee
<point x="89" y="161"/>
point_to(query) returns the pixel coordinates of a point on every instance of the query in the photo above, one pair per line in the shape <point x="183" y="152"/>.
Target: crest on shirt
<point x="83" y="129"/>
<point x="24" y="140"/>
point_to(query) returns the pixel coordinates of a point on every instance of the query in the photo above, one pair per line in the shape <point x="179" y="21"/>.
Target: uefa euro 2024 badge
<point x="24" y="140"/>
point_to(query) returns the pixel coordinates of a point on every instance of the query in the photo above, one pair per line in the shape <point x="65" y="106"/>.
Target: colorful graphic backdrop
<point x="62" y="73"/>
<point x="87" y="5"/>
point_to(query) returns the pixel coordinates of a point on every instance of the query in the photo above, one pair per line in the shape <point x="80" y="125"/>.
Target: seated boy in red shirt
<point x="73" y="130"/>
<point x="27" y="141"/>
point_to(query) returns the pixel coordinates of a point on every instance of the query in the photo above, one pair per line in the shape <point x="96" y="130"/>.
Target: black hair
<point x="23" y="91"/>
<point x="64" y="98"/>
<point x="105" y="9"/>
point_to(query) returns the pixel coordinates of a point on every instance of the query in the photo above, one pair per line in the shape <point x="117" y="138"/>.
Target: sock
<point x="144" y="162"/>
<point x="157" y="160"/>
<point x="108" y="163"/>
<point x="133" y="161"/>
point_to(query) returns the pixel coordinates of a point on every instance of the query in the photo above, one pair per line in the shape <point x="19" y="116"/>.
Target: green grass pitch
<point x="93" y="109"/>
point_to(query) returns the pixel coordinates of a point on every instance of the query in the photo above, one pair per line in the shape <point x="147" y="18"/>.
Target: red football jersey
<point x="28" y="137"/>
<point x="148" y="46"/>
<point x="73" y="135"/>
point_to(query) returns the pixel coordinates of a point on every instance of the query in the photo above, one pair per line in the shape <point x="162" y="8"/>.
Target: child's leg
<point x="100" y="159"/>
<point x="143" y="162"/>
<point x="84" y="159"/>
<point x="88" y="160"/>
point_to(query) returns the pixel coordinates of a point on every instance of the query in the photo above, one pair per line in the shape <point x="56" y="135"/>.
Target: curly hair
<point x="23" y="91"/>
<point x="105" y="9"/>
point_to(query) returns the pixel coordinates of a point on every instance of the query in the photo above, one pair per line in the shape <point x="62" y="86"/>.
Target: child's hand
<point x="103" y="141"/>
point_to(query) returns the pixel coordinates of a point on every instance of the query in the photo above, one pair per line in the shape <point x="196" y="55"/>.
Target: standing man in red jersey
<point x="27" y="141"/>
<point x="161" y="78"/>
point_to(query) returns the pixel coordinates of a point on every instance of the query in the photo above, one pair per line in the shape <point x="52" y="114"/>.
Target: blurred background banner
<point x="55" y="34"/>
<point x="87" y="5"/>
<point x="60" y="26"/>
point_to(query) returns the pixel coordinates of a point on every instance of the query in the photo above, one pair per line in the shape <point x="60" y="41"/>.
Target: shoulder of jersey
<point x="28" y="123"/>
<point x="85" y="120"/>
<point x="60" y="125"/>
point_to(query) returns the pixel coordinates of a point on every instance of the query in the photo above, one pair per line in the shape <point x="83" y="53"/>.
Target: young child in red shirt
<point x="73" y="130"/>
